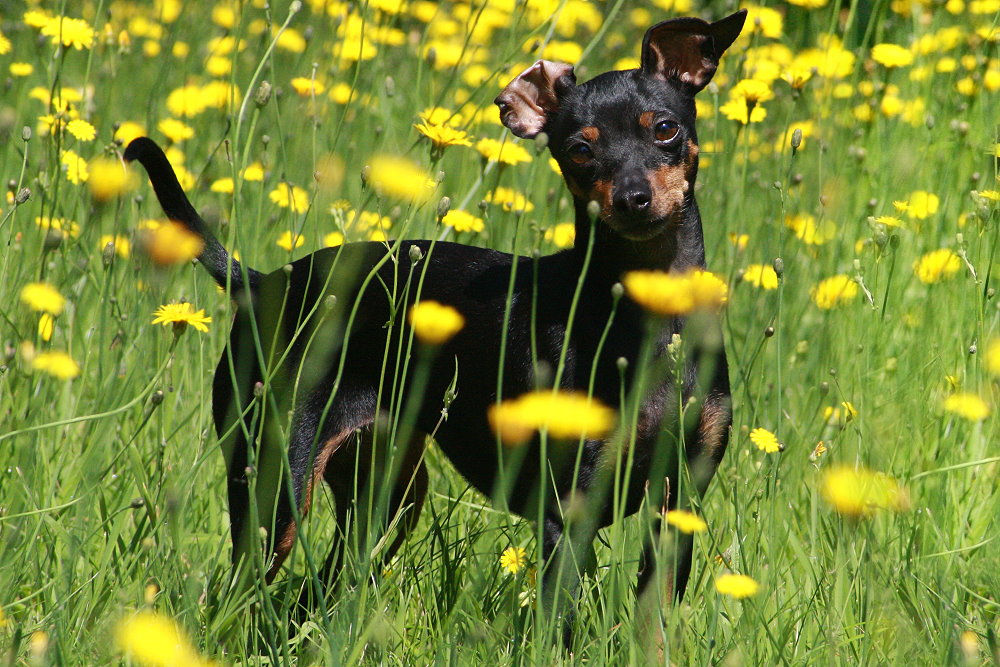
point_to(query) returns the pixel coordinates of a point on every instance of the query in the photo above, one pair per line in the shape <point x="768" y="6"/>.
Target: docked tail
<point x="176" y="206"/>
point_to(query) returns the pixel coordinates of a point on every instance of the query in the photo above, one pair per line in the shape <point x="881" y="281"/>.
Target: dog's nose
<point x="633" y="200"/>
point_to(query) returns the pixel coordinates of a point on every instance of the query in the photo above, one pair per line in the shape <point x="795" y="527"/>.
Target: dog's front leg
<point x="568" y="551"/>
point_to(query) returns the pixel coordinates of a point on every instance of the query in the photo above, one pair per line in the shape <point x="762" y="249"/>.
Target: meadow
<point x="849" y="190"/>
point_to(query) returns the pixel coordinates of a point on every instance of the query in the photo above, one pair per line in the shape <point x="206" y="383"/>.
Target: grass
<point x="112" y="493"/>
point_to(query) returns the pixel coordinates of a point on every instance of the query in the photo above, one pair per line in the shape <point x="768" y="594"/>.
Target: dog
<point x="317" y="346"/>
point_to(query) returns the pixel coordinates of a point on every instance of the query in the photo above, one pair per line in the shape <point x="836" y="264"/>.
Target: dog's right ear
<point x="687" y="50"/>
<point x="527" y="101"/>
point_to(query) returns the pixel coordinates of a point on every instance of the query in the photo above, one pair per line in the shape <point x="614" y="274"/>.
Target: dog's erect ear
<point x="527" y="101"/>
<point x="687" y="50"/>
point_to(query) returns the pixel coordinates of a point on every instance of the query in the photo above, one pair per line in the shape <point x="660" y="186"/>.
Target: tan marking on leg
<point x="646" y="119"/>
<point x="590" y="133"/>
<point x="284" y="544"/>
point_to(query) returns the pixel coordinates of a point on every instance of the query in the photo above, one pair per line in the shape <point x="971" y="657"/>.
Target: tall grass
<point x="112" y="494"/>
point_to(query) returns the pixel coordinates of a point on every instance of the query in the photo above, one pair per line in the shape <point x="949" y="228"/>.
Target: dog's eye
<point x="580" y="153"/>
<point x="666" y="130"/>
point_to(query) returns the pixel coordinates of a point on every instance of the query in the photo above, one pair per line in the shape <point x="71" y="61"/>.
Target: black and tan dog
<point x="305" y="375"/>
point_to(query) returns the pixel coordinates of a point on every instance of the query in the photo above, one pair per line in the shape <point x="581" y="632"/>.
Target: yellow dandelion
<point x="765" y="440"/>
<point x="858" y="492"/>
<point x="504" y="152"/>
<point x="840" y="415"/>
<point x="175" y="130"/>
<point x="461" y="221"/>
<point x="75" y="166"/>
<point x="81" y="130"/>
<point x="21" y="69"/>
<point x="46" y="327"/>
<point x="333" y="239"/>
<point x="171" y="243"/>
<point x="809" y="231"/>
<point x="565" y="416"/>
<point x="152" y="639"/>
<point x="398" y="177"/>
<point x="43" y="297"/>
<point x="737" y="586"/>
<point x="291" y="197"/>
<point x="686" y="521"/>
<point x="180" y="315"/>
<point x="70" y="32"/>
<point x="108" y="178"/>
<point x="442" y="136"/>
<point x="57" y="364"/>
<point x="513" y="559"/>
<point x="306" y="87"/>
<point x="937" y="265"/>
<point x="675" y="294"/>
<point x="920" y="204"/>
<point x="889" y="221"/>
<point x="254" y="172"/>
<point x="761" y="275"/>
<point x="510" y="200"/>
<point x="224" y="185"/>
<point x="562" y="235"/>
<point x="435" y="323"/>
<point x="289" y="241"/>
<point x="834" y="291"/>
<point x="968" y="406"/>
<point x="891" y="55"/>
<point x="120" y="243"/>
<point x="128" y="131"/>
<point x="67" y="227"/>
<point x="739" y="241"/>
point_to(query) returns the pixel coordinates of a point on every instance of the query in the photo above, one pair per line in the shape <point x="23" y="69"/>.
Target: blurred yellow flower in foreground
<point x="513" y="559"/>
<point x="170" y="242"/>
<point x="44" y="297"/>
<point x="398" y="177"/>
<point x="565" y="415"/>
<point x="937" y="265"/>
<point x="738" y="586"/>
<point x="179" y="315"/>
<point x="891" y="55"/>
<point x="56" y="364"/>
<point x="154" y="640"/>
<point x="834" y="291"/>
<point x="968" y="406"/>
<point x="435" y="323"/>
<point x="686" y="521"/>
<point x="858" y="492"/>
<point x="675" y="294"/>
<point x="109" y="178"/>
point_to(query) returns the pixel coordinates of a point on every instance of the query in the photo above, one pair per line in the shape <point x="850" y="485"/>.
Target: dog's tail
<point x="220" y="264"/>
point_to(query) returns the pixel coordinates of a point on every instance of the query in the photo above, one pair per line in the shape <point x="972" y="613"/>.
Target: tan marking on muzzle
<point x="671" y="183"/>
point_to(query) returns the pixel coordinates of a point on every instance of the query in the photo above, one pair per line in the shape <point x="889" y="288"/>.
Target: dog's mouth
<point x="638" y="228"/>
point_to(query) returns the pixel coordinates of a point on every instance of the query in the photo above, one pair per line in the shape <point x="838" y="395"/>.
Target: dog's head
<point x="626" y="139"/>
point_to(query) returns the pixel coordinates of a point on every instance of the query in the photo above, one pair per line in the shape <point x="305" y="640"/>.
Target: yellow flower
<point x="562" y="235"/>
<point x="46" y="326"/>
<point x="121" y="244"/>
<point x="919" y="205"/>
<point x="968" y="406"/>
<point x="306" y="87"/>
<point x="443" y="136"/>
<point x="513" y="559"/>
<point x="858" y="492"/>
<point x="993" y="357"/>
<point x="761" y="275"/>
<point x="154" y="640"/>
<point x="889" y="221"/>
<point x="70" y="32"/>
<point x="504" y="152"/>
<point x="179" y="315"/>
<point x="765" y="440"/>
<point x="128" y="131"/>
<point x="768" y="22"/>
<point x="797" y="77"/>
<point x="739" y="110"/>
<point x="81" y="129"/>
<point x="43" y="297"/>
<point x="462" y="221"/>
<point x="435" y="323"/>
<point x="224" y="185"/>
<point x="291" y="197"/>
<point x="67" y="227"/>
<point x="76" y="167"/>
<point x="809" y="231"/>
<point x="891" y="55"/>
<point x="565" y="415"/>
<point x="57" y="364"/>
<point x="686" y="522"/>
<point x="398" y="177"/>
<point x="937" y="265"/>
<point x="739" y="241"/>
<point x="675" y="294"/>
<point x="289" y="241"/>
<point x="510" y="200"/>
<point x="440" y="116"/>
<point x="175" y="130"/>
<point x="333" y="239"/>
<point x="21" y="69"/>
<point x="109" y="178"/>
<point x="254" y="172"/>
<point x="834" y="291"/>
<point x="738" y="586"/>
<point x="171" y="243"/>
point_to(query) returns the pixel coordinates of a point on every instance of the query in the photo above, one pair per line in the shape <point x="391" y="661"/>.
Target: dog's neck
<point x="679" y="247"/>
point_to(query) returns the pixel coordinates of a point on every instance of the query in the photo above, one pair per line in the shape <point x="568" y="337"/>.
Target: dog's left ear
<point x="528" y="101"/>
<point x="687" y="50"/>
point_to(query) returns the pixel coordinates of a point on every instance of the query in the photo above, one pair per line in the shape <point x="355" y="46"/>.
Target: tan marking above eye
<point x="590" y="133"/>
<point x="646" y="119"/>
